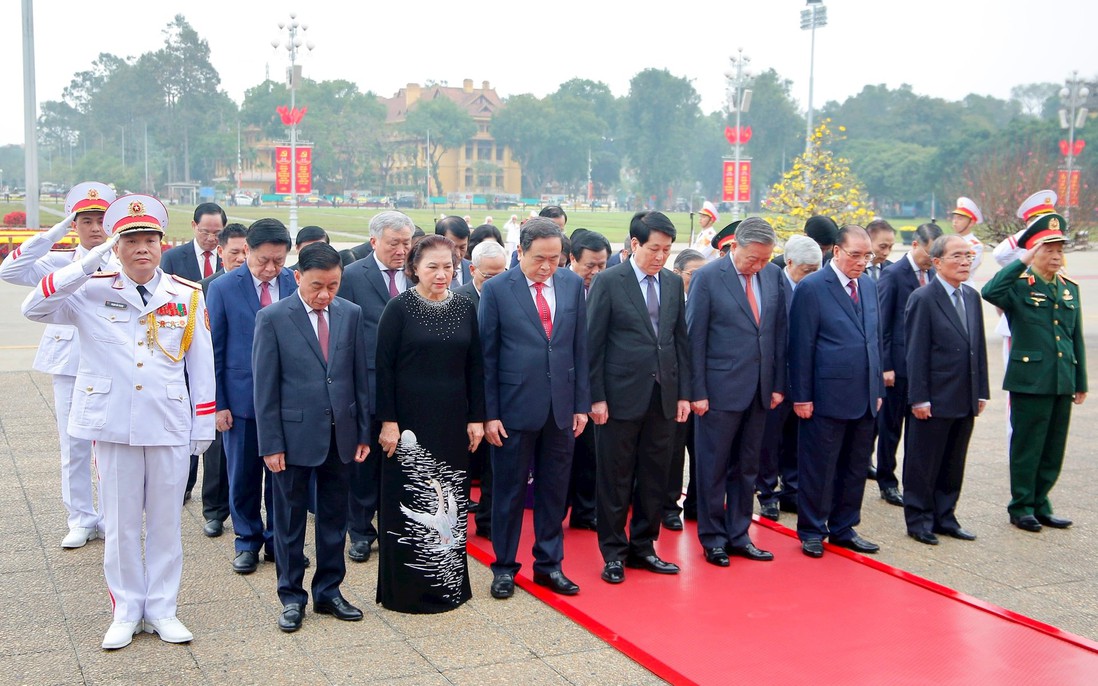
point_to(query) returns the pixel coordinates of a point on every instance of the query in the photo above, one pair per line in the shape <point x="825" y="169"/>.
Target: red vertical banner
<point x="730" y="193"/>
<point x="304" y="169"/>
<point x="282" y="169"/>
<point x="1062" y="186"/>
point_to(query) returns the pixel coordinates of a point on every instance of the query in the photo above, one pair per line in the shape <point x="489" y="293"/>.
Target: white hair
<point x="487" y="249"/>
<point x="801" y="249"/>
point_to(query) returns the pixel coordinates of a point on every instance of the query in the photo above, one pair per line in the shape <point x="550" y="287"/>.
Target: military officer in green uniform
<point x="1046" y="371"/>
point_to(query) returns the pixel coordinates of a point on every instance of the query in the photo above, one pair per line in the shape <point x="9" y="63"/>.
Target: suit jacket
<point x="834" y="354"/>
<point x="465" y="276"/>
<point x="946" y="365"/>
<point x="352" y="255"/>
<point x="470" y="291"/>
<point x="730" y="355"/>
<point x="365" y="285"/>
<point x="205" y="283"/>
<point x="893" y="289"/>
<point x="626" y="354"/>
<point x="182" y="261"/>
<point x="301" y="400"/>
<point x="526" y="374"/>
<point x="233" y="306"/>
<point x="883" y="265"/>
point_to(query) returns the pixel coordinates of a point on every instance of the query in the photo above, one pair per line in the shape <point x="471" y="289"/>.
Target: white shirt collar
<point x="641" y="275"/>
<point x="843" y="278"/>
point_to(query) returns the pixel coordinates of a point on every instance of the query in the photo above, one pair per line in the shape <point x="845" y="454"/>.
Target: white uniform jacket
<point x="27" y="265"/>
<point x="129" y="390"/>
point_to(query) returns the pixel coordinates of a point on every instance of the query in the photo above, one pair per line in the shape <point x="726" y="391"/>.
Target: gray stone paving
<point x="53" y="608"/>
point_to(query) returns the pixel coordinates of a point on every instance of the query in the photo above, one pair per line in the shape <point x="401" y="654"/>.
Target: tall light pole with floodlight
<point x="1073" y="115"/>
<point x="811" y="19"/>
<point x="739" y="101"/>
<point x="292" y="43"/>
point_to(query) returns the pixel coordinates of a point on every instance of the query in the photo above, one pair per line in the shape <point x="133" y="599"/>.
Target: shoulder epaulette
<point x="1067" y="278"/>
<point x="103" y="275"/>
<point x="186" y="282"/>
<point x="1024" y="275"/>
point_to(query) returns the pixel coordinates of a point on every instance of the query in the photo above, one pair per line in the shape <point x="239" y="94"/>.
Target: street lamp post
<point x="811" y="19"/>
<point x="292" y="43"/>
<point x="1073" y="115"/>
<point x="739" y="101"/>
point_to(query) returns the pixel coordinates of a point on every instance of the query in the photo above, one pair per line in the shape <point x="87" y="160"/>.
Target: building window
<point x="499" y="153"/>
<point x="468" y="177"/>
<point x="468" y="151"/>
<point x="484" y="150"/>
<point x="499" y="180"/>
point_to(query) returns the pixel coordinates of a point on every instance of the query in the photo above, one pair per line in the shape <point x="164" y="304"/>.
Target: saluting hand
<point x="390" y="434"/>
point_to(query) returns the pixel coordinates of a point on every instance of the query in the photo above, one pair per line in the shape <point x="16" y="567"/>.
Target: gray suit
<point x="317" y="413"/>
<point x="736" y="364"/>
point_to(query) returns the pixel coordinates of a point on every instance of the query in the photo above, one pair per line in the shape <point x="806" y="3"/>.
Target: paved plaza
<point x="54" y="607"/>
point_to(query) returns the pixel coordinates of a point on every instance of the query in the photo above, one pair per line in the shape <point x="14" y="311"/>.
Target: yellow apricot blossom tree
<point x="818" y="183"/>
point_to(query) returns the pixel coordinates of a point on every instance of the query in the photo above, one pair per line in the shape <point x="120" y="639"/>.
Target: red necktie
<point x="322" y="333"/>
<point x="853" y="291"/>
<point x="393" y="292"/>
<point x="543" y="310"/>
<point x="922" y="278"/>
<point x="751" y="299"/>
<point x="265" y="295"/>
<point x="208" y="269"/>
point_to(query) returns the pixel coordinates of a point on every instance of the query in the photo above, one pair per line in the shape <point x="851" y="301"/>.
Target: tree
<point x="777" y="127"/>
<point x="660" y="113"/>
<point x="445" y="124"/>
<point x="892" y="171"/>
<point x="820" y="182"/>
<point x="1033" y="99"/>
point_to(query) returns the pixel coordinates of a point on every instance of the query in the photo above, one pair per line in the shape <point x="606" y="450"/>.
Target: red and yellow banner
<point x="730" y="194"/>
<point x="303" y="167"/>
<point x="1062" y="187"/>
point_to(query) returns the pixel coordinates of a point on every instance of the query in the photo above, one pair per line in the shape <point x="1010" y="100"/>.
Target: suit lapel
<point x="562" y="295"/>
<point x="247" y="288"/>
<point x="945" y="303"/>
<point x="633" y="291"/>
<point x="842" y="296"/>
<point x="164" y="292"/>
<point x="525" y="300"/>
<point x="732" y="283"/>
<point x="335" y="328"/>
<point x="287" y="284"/>
<point x="300" y="318"/>
<point x="377" y="280"/>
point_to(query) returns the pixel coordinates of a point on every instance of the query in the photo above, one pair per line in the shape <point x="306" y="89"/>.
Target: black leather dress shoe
<point x="672" y="522"/>
<point x="503" y="586"/>
<point x="246" y="562"/>
<point x="958" y="533"/>
<point x="813" y="547"/>
<point x="269" y="557"/>
<point x="613" y="572"/>
<point x="213" y="528"/>
<point x="891" y="495"/>
<point x="556" y="582"/>
<point x="716" y="556"/>
<point x="857" y="544"/>
<point x="924" y="537"/>
<point x="359" y="551"/>
<point x="588" y="524"/>
<point x="788" y="506"/>
<point x="770" y="512"/>
<point x="1026" y="523"/>
<point x="871" y="473"/>
<point x="339" y="608"/>
<point x="750" y="552"/>
<point x="290" y="619"/>
<point x="1054" y="521"/>
<point x="652" y="563"/>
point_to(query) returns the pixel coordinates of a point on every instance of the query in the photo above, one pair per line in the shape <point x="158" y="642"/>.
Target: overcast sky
<point x="944" y="48"/>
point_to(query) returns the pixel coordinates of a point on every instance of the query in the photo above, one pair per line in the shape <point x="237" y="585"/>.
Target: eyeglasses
<point x="857" y="256"/>
<point x="960" y="257"/>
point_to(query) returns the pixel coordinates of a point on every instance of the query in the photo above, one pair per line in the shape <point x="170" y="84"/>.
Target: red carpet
<point x="843" y="619"/>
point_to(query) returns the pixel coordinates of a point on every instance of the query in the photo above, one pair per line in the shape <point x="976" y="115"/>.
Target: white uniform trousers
<point x="76" y="460"/>
<point x="136" y="481"/>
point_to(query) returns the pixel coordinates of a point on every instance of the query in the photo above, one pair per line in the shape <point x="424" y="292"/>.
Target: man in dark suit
<point x="489" y="259"/>
<point x="947" y="388"/>
<point x="235" y="299"/>
<point x="737" y="323"/>
<point x="370" y="283"/>
<point x="231" y="246"/>
<point x="640" y="385"/>
<point x="533" y="331"/>
<point x="195" y="260"/>
<point x="311" y="400"/>
<point x="778" y="454"/>
<point x="837" y="385"/>
<point x="306" y="236"/>
<point x="896" y="285"/>
<point x="457" y="230"/>
<point x="354" y="254"/>
<point x="821" y="229"/>
<point x="882" y="237"/>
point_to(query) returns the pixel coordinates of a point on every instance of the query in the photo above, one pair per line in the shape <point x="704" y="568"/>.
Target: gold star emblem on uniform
<point x="137" y="208"/>
<point x="92" y="194"/>
<point x="1054" y="224"/>
<point x="1048" y="200"/>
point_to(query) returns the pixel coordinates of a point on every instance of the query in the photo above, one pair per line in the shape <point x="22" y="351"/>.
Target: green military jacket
<point x="1047" y="350"/>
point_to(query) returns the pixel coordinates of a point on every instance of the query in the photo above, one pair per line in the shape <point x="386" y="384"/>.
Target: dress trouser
<point x="778" y="457"/>
<point x="136" y="481"/>
<point x="581" y="487"/>
<point x="728" y="465"/>
<point x="76" y="460"/>
<point x="633" y="460"/>
<point x="364" y="492"/>
<point x="832" y="459"/>
<point x="292" y="491"/>
<point x="1039" y="425"/>
<point x="249" y="487"/>
<point x="215" y="482"/>
<point x="549" y="450"/>
<point x="892" y="420"/>
<point x="682" y="442"/>
<point x="934" y="469"/>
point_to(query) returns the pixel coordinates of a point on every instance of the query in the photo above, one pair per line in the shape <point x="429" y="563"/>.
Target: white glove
<point x="199" y="447"/>
<point x="93" y="261"/>
<point x="58" y="231"/>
